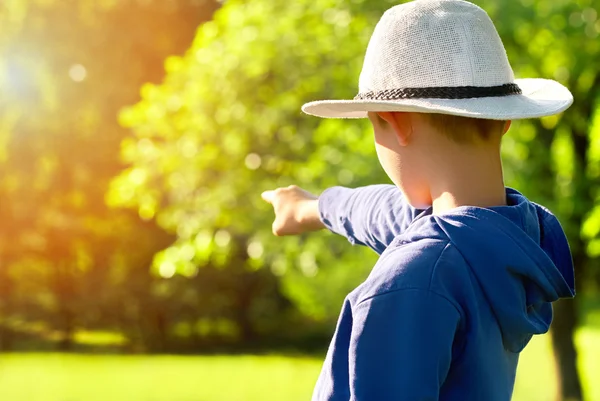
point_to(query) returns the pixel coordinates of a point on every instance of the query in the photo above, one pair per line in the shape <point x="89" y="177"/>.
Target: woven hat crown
<point x="443" y="56"/>
<point x="434" y="43"/>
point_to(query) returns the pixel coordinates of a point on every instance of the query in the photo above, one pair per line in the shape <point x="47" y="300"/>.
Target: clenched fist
<point x="296" y="210"/>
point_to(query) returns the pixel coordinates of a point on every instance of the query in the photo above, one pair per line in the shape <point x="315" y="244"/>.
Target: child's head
<point x="437" y="73"/>
<point x="412" y="147"/>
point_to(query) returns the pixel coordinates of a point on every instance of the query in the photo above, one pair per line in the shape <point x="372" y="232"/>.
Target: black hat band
<point x="442" y="92"/>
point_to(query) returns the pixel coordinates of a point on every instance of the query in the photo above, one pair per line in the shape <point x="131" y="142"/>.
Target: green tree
<point x="555" y="160"/>
<point x="66" y="67"/>
<point x="225" y="125"/>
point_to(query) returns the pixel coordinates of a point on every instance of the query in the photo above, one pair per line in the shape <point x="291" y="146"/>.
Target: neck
<point x="471" y="178"/>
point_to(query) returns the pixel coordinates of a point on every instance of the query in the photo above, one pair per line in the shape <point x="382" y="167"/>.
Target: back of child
<point x="451" y="302"/>
<point x="468" y="268"/>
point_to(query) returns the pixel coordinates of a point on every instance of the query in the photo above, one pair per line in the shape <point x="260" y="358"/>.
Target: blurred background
<point x="136" y="257"/>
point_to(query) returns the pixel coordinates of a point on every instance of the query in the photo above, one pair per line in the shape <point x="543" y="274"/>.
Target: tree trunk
<point x="64" y="291"/>
<point x="565" y="353"/>
<point x="6" y="334"/>
<point x="68" y="329"/>
<point x="161" y="326"/>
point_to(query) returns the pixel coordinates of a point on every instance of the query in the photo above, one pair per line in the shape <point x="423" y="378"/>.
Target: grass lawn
<point x="61" y="377"/>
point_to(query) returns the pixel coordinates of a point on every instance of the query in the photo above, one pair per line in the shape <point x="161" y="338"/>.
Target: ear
<point x="506" y="127"/>
<point x="400" y="123"/>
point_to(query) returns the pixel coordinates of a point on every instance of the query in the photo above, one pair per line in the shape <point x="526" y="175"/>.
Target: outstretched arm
<point x="373" y="215"/>
<point x="370" y="216"/>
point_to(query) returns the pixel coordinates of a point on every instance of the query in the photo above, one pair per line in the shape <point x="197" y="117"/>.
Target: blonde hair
<point x="461" y="129"/>
<point x="465" y="129"/>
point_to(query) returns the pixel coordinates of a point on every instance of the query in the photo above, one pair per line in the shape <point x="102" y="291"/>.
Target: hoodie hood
<point x="520" y="257"/>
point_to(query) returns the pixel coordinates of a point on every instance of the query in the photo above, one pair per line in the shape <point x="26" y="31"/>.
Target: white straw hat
<point x="443" y="56"/>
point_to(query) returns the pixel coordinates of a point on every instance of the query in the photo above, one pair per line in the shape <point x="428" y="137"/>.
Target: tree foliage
<point x="66" y="67"/>
<point x="225" y="125"/>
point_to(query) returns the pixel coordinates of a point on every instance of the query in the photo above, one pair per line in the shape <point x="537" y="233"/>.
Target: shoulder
<point x="428" y="264"/>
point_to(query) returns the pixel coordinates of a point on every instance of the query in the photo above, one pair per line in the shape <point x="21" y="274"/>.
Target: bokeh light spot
<point x="279" y="266"/>
<point x="222" y="238"/>
<point x="255" y="249"/>
<point x="137" y="176"/>
<point x="253" y="161"/>
<point x="146" y="211"/>
<point x="145" y="146"/>
<point x="576" y="19"/>
<point x="308" y="264"/>
<point x="561" y="74"/>
<point x="77" y="72"/>
<point x="166" y="270"/>
<point x="187" y="252"/>
<point x="203" y="240"/>
<point x="345" y="177"/>
<point x="589" y="15"/>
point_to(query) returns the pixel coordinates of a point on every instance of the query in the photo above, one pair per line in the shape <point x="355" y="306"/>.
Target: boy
<point x="468" y="268"/>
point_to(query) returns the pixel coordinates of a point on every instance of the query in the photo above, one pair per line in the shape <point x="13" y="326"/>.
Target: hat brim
<point x="539" y="98"/>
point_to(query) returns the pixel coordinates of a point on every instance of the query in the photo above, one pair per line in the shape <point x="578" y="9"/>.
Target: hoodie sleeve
<point x="401" y="346"/>
<point x="373" y="215"/>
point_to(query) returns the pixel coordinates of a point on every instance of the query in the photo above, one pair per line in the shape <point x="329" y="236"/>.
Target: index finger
<point x="268" y="196"/>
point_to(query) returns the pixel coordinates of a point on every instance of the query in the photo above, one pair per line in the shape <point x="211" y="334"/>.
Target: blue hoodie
<point x="450" y="303"/>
